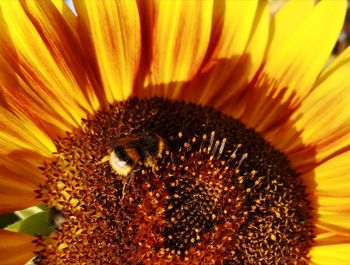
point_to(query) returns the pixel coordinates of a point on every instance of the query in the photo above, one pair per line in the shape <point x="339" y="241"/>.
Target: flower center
<point x="153" y="181"/>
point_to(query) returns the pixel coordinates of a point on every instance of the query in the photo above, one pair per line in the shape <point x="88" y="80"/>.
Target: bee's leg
<point x="125" y="182"/>
<point x="129" y="177"/>
<point x="154" y="172"/>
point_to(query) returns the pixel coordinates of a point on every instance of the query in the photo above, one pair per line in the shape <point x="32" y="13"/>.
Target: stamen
<point x="244" y="157"/>
<point x="213" y="152"/>
<point x="222" y="147"/>
<point x="211" y="141"/>
<point x="234" y="155"/>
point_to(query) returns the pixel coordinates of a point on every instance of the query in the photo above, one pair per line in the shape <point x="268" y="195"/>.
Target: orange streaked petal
<point x="230" y="59"/>
<point x="28" y="105"/>
<point x="15" y="248"/>
<point x="110" y="32"/>
<point x="15" y="198"/>
<point x="336" y="254"/>
<point x="19" y="180"/>
<point x="237" y="20"/>
<point x="66" y="12"/>
<point x="297" y="62"/>
<point x="25" y="169"/>
<point x="180" y="38"/>
<point x="241" y="103"/>
<point x="43" y="109"/>
<point x="329" y="238"/>
<point x="18" y="131"/>
<point x="44" y="53"/>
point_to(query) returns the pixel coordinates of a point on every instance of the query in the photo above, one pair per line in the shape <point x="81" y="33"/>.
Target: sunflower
<point x="232" y="134"/>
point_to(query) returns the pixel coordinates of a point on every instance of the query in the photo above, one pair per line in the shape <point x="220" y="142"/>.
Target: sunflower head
<point x="224" y="195"/>
<point x="173" y="133"/>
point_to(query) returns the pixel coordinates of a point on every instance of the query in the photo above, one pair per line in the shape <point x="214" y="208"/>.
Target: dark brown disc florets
<point x="219" y="194"/>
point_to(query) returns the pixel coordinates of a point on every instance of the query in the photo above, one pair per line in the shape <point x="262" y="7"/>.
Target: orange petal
<point x="42" y="110"/>
<point x="329" y="238"/>
<point x="45" y="56"/>
<point x="232" y="60"/>
<point x="18" y="131"/>
<point x="242" y="97"/>
<point x="20" y="177"/>
<point x="66" y="12"/>
<point x="298" y="60"/>
<point x="15" y="248"/>
<point x="180" y="39"/>
<point x="110" y="32"/>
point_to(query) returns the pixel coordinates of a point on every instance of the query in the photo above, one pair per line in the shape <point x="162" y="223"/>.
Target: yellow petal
<point x="336" y="254"/>
<point x="238" y="18"/>
<point x="336" y="222"/>
<point x="180" y="38"/>
<point x="285" y="22"/>
<point x="46" y="57"/>
<point x="15" y="248"/>
<point x="321" y="122"/>
<point x="332" y="177"/>
<point x="334" y="204"/>
<point x="337" y="63"/>
<point x="110" y="32"/>
<point x="257" y="43"/>
<point x="298" y="60"/>
<point x="324" y="115"/>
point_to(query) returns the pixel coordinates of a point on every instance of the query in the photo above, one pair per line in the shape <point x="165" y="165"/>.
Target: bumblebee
<point x="130" y="150"/>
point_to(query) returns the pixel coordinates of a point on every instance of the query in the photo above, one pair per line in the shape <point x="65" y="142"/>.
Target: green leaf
<point x="42" y="207"/>
<point x="36" y="224"/>
<point x="25" y="213"/>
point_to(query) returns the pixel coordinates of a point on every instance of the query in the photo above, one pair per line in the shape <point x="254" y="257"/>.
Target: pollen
<point x="217" y="193"/>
